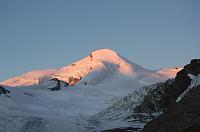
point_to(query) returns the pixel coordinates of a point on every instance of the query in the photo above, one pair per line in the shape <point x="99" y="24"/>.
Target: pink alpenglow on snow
<point x="99" y="66"/>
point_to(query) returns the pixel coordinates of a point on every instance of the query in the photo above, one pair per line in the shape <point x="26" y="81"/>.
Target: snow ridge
<point x="99" y="66"/>
<point x="195" y="81"/>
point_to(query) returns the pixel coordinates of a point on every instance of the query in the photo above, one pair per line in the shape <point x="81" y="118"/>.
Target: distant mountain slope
<point x="99" y="66"/>
<point x="173" y="98"/>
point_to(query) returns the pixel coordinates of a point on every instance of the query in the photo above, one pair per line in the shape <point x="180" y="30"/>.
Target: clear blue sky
<point x="37" y="34"/>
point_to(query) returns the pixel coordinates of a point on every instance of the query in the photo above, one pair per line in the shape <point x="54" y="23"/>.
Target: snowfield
<point x="105" y="77"/>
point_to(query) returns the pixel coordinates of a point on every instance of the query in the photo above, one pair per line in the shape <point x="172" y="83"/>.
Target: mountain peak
<point x="100" y="65"/>
<point x="104" y="55"/>
<point x="105" y="52"/>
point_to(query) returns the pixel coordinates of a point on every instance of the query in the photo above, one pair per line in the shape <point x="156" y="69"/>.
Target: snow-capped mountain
<point x="99" y="66"/>
<point x="97" y="82"/>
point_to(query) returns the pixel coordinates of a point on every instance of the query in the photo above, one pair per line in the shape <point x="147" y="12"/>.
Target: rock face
<point x="183" y="116"/>
<point x="73" y="81"/>
<point x="57" y="87"/>
<point x="165" y="95"/>
<point x="3" y="90"/>
<point x="58" y="84"/>
<point x="182" y="80"/>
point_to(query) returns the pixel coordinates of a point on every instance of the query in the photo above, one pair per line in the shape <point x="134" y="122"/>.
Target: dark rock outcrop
<point x="59" y="83"/>
<point x="183" y="116"/>
<point x="57" y="87"/>
<point x="165" y="94"/>
<point x="72" y="81"/>
<point x="182" y="81"/>
<point x="3" y="90"/>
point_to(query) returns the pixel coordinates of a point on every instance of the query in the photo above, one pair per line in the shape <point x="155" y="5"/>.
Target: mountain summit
<point x="97" y="67"/>
<point x="84" y="89"/>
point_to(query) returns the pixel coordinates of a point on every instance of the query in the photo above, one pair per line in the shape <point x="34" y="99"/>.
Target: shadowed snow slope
<point x="99" y="66"/>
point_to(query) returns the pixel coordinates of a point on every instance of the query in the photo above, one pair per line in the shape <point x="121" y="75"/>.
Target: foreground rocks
<point x="183" y="116"/>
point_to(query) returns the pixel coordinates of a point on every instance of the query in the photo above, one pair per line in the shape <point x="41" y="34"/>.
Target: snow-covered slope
<point x="99" y="66"/>
<point x="101" y="79"/>
<point x="136" y="107"/>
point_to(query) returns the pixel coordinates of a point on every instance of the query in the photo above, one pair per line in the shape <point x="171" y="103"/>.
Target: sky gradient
<point x="42" y="34"/>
